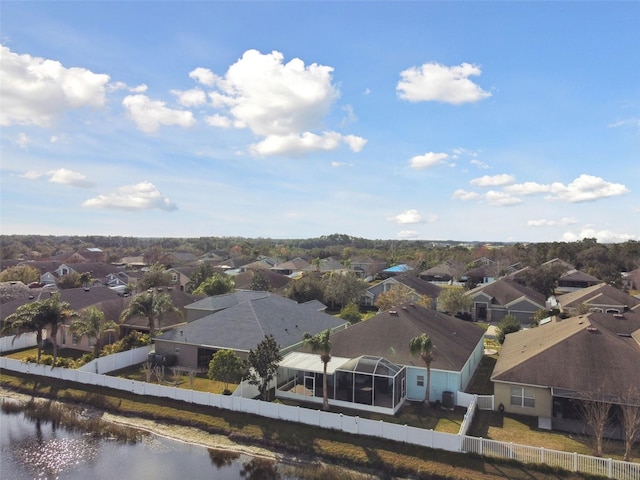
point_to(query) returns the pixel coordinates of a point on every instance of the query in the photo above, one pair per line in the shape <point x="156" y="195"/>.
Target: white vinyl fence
<point x="355" y="425"/>
<point x="10" y="343"/>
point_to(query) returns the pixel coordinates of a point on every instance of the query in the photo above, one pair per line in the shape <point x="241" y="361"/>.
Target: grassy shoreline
<point x="286" y="439"/>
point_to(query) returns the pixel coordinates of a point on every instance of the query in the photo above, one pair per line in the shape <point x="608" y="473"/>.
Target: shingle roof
<point x="505" y="291"/>
<point x="420" y="286"/>
<point x="244" y="325"/>
<point x="388" y="335"/>
<point x="587" y="353"/>
<point x="78" y="298"/>
<point x="599" y="295"/>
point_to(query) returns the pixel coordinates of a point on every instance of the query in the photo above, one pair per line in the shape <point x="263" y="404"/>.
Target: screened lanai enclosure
<point x="366" y="383"/>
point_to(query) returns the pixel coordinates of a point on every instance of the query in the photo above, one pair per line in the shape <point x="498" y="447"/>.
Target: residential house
<point x="367" y="267"/>
<point x="292" y="267"/>
<point x="181" y="277"/>
<point x="544" y="371"/>
<point x="444" y="273"/>
<point x="493" y="301"/>
<point x="88" y="255"/>
<point x="573" y="280"/>
<point x="372" y="369"/>
<point x="277" y="281"/>
<point x="416" y="286"/>
<point x="78" y="299"/>
<point x="631" y="280"/>
<point x="325" y="265"/>
<point x="173" y="259"/>
<point x="242" y="325"/>
<point x="597" y="298"/>
<point x="394" y="270"/>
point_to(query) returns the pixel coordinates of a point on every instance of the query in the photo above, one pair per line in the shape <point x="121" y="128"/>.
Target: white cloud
<point x="35" y="90"/>
<point x="31" y="175"/>
<point x="296" y="145"/>
<point x="479" y="164"/>
<point x="436" y="82"/>
<point x="284" y="103"/>
<point x="602" y="236"/>
<point x="190" y="98"/>
<point x="551" y="223"/>
<point x="355" y="143"/>
<point x="69" y="177"/>
<point x="149" y="114"/>
<point x="22" y="140"/>
<point x="407" y="217"/>
<point x="501" y="199"/>
<point x="493" y="181"/>
<point x="341" y="164"/>
<point x="407" y="235"/>
<point x="276" y="98"/>
<point x="141" y="196"/>
<point x="427" y="160"/>
<point x="586" y="188"/>
<point x="629" y="122"/>
<point x="528" y="188"/>
<point x="62" y="176"/>
<point x="114" y="86"/>
<point x="464" y="195"/>
<point x="218" y="121"/>
<point x="204" y="76"/>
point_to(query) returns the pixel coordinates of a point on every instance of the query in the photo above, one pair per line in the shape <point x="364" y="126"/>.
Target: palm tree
<point x="26" y="320"/>
<point x="54" y="313"/>
<point x="91" y="322"/>
<point x="422" y="346"/>
<point x="150" y="306"/>
<point x="321" y="343"/>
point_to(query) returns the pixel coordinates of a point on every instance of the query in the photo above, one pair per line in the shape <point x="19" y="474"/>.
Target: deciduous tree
<point x="263" y="363"/>
<point x="508" y="324"/>
<point x="226" y="367"/>
<point x="217" y="284"/>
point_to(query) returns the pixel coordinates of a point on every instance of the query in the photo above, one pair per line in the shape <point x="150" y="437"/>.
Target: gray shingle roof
<point x="243" y="325"/>
<point x="598" y="295"/>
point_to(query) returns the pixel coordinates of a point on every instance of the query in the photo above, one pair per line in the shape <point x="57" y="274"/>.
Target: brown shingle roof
<point x="593" y="353"/>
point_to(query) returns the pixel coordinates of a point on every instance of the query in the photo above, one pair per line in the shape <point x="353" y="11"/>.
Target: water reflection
<point x="222" y="458"/>
<point x="260" y="469"/>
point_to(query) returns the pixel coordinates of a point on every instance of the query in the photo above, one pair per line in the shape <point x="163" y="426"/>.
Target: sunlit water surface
<point x="32" y="449"/>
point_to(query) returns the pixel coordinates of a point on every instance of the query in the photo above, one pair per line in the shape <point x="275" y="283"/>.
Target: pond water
<point x="34" y="449"/>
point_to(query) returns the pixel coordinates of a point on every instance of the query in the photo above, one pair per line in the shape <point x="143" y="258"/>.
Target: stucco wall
<point x="543" y="400"/>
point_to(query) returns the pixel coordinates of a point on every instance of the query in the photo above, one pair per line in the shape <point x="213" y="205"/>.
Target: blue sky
<point x="487" y="121"/>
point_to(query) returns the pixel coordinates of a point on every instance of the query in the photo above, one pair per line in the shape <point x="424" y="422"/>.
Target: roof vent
<point x="592" y="329"/>
<point x="618" y="315"/>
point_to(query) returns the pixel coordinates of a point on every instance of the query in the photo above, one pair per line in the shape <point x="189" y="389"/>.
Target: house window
<point x="420" y="381"/>
<point x="523" y="397"/>
<point x="177" y="350"/>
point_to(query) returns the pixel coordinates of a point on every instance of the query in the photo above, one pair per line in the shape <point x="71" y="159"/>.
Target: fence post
<point x="481" y="446"/>
<point x="511" y="450"/>
<point x="610" y="465"/>
<point x="575" y="461"/>
<point x="541" y="454"/>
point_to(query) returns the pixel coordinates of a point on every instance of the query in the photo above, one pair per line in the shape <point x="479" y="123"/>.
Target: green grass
<point x="523" y="430"/>
<point x="199" y="382"/>
<point x="288" y="438"/>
